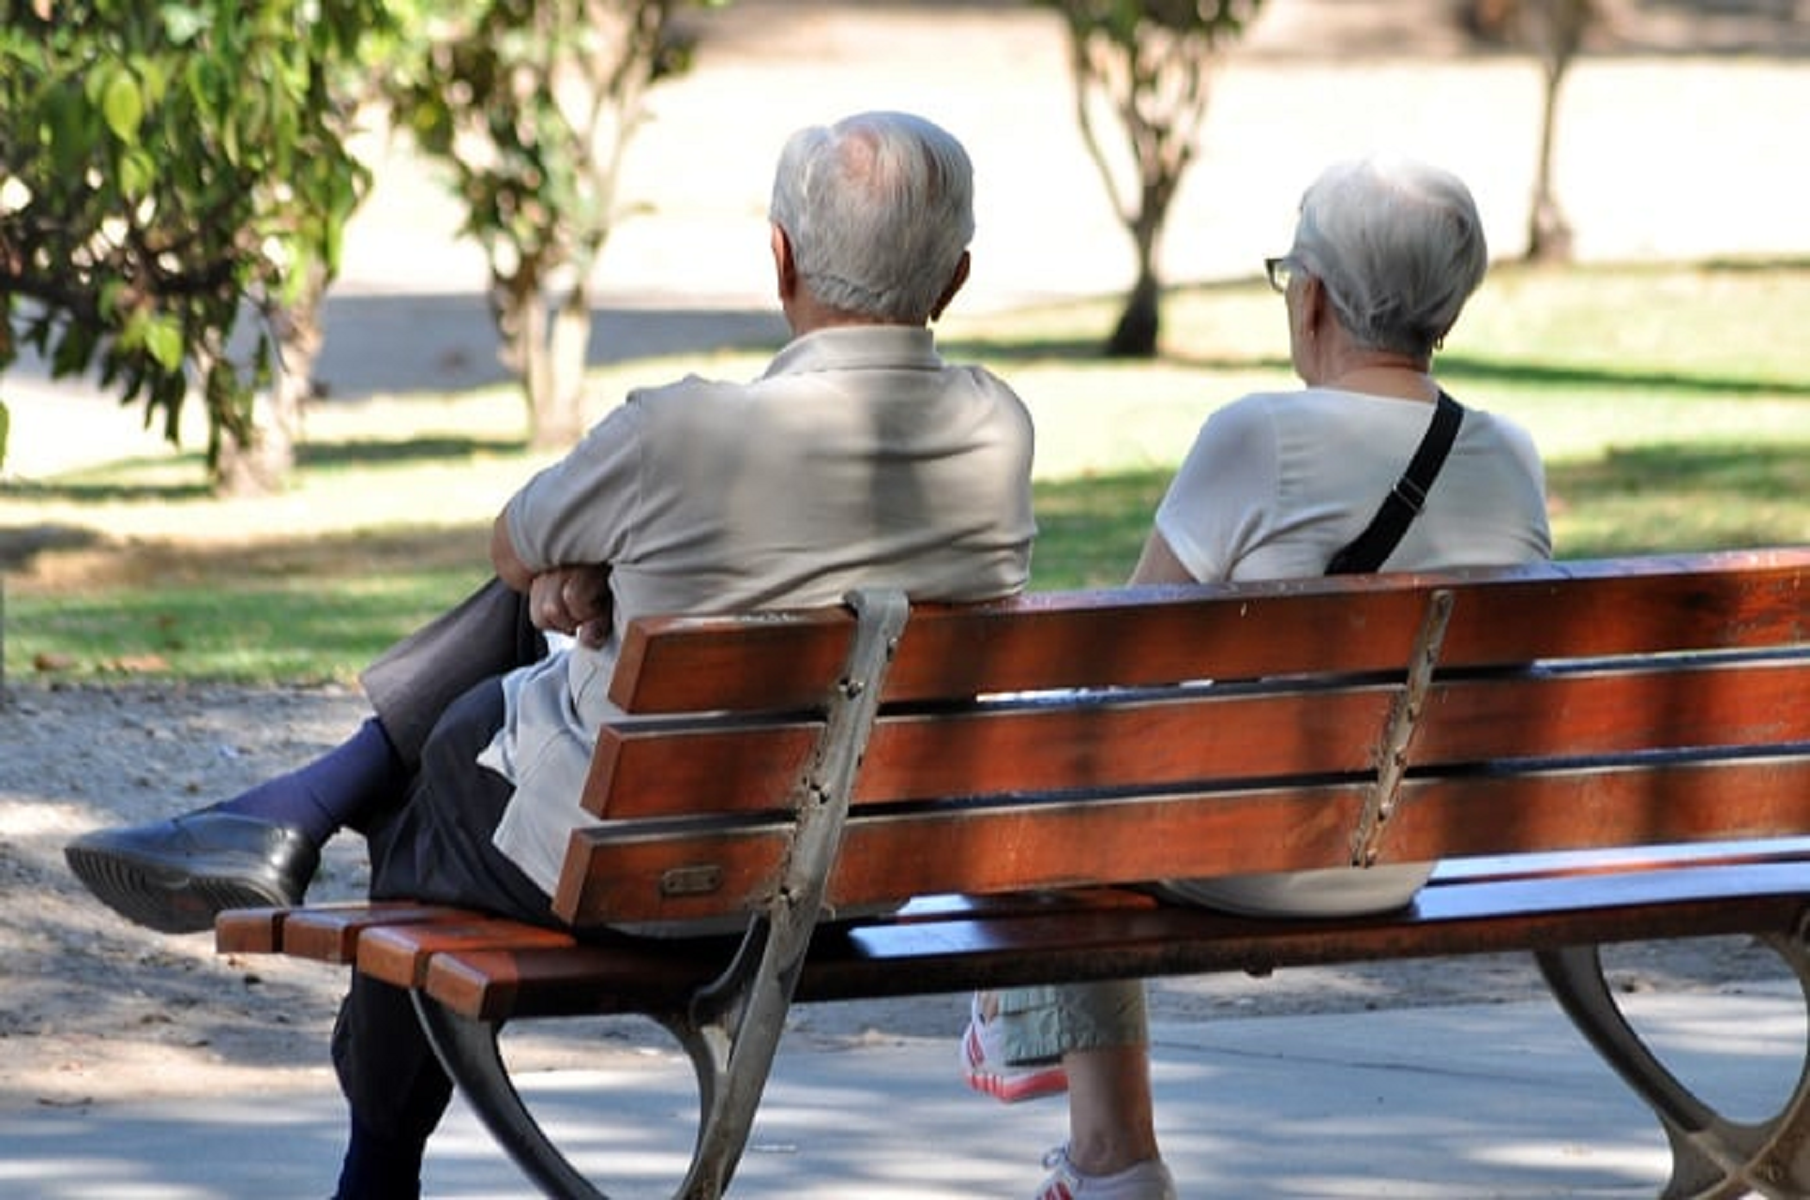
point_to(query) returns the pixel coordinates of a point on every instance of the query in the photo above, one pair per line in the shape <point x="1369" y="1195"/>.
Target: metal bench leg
<point x="727" y="1098"/>
<point x="1713" y="1158"/>
<point x="733" y="1026"/>
<point x="468" y="1050"/>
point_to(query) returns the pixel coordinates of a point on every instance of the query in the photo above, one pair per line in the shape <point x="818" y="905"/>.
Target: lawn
<point x="1672" y="405"/>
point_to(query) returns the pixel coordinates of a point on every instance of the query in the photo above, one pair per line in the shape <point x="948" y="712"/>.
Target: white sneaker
<point x="983" y="1071"/>
<point x="1148" y="1180"/>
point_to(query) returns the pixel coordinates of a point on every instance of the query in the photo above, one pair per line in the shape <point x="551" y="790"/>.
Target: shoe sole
<point x="1008" y="1089"/>
<point x="165" y="900"/>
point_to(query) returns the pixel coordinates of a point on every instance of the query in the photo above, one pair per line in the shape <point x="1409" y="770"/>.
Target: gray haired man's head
<point x="879" y="209"/>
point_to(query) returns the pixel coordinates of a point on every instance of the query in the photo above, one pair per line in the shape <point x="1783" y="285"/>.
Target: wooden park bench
<point x="1018" y="765"/>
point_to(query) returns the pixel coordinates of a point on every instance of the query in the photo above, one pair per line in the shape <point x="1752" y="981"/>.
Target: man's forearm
<point x="507" y="564"/>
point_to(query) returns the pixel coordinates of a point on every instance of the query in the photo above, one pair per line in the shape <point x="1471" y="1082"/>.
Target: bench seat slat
<point x="497" y="983"/>
<point x="399" y="954"/>
<point x="1180" y="941"/>
<point x="326" y="933"/>
<point x="1125" y="934"/>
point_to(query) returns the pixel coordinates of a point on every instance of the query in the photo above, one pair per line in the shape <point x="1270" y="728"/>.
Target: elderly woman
<point x="1385" y="254"/>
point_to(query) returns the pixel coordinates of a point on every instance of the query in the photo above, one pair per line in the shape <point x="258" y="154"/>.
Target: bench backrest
<point x="1115" y="736"/>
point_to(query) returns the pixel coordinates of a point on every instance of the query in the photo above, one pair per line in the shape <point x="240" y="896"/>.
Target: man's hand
<point x="574" y="600"/>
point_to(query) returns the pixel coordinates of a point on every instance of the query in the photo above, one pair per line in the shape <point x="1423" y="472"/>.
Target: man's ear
<point x="955" y="285"/>
<point x="785" y="267"/>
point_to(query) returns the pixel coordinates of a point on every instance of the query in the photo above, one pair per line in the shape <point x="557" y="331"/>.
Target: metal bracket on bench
<point x="1713" y="1158"/>
<point x="736" y="1022"/>
<point x="732" y="1026"/>
<point x="1399" y="730"/>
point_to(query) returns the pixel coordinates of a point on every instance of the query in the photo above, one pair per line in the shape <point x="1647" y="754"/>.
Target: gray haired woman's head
<point x="879" y="209"/>
<point x="1398" y="246"/>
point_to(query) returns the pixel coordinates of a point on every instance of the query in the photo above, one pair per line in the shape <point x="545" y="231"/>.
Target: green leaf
<point x="123" y="105"/>
<point x="163" y="340"/>
<point x="137" y="172"/>
<point x="183" y="23"/>
<point x="6" y="424"/>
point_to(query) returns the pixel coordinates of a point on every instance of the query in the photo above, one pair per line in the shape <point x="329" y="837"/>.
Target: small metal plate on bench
<point x="691" y="881"/>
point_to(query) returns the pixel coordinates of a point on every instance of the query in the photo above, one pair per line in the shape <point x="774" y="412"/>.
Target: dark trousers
<point x="415" y="681"/>
<point x="435" y="845"/>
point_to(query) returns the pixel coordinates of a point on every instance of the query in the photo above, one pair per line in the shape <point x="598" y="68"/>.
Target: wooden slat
<point x="640" y="977"/>
<point x="1149" y="636"/>
<point x="330" y="933"/>
<point x="1122" y="743"/>
<point x="249" y="931"/>
<point x="652" y="769"/>
<point x="894" y="853"/>
<point x="1167" y="940"/>
<point x="399" y="954"/>
<point x="1114" y="935"/>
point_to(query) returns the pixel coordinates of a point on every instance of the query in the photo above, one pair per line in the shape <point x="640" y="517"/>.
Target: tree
<point x="532" y="103"/>
<point x="1146" y="64"/>
<point x="163" y="169"/>
<point x="1555" y="31"/>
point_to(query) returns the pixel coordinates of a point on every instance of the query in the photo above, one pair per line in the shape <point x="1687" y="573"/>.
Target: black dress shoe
<point x="175" y="876"/>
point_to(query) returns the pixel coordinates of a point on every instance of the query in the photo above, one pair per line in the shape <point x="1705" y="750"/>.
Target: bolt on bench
<point x="1018" y="767"/>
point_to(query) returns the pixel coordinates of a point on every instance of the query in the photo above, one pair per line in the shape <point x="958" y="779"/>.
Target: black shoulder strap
<point x="1367" y="551"/>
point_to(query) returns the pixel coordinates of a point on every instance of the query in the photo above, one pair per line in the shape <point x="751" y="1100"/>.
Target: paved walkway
<point x="1497" y="1101"/>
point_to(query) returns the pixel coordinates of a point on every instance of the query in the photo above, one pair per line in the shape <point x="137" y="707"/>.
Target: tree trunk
<point x="1135" y="335"/>
<point x="1560" y="26"/>
<point x="546" y="349"/>
<point x="562" y="420"/>
<point x="263" y="464"/>
<point x="1548" y="232"/>
<point x="1140" y="323"/>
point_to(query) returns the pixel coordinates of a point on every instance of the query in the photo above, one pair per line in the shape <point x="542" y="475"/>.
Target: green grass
<point x="1672" y="406"/>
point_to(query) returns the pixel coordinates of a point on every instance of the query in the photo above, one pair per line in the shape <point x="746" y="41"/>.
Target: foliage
<point x="162" y="166"/>
<point x="1146" y="64"/>
<point x="532" y="103"/>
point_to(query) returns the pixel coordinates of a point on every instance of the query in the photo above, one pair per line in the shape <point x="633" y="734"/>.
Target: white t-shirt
<point x="1276" y="483"/>
<point x="859" y="459"/>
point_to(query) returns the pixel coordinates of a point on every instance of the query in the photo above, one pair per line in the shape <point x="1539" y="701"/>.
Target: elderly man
<point x="858" y="458"/>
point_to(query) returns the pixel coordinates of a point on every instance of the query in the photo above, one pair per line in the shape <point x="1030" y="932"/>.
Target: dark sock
<point x="332" y="790"/>
<point x="380" y="1168"/>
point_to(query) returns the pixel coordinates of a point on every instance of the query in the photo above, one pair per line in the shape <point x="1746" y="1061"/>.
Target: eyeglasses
<point x="1280" y="271"/>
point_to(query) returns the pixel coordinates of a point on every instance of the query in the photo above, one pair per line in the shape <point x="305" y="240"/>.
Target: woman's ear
<point x="1312" y="304"/>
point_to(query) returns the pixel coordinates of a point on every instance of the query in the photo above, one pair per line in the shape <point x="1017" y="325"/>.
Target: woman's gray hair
<point x="879" y="208"/>
<point x="1398" y="246"/>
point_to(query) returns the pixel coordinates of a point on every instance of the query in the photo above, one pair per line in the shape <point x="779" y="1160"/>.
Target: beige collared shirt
<point x="860" y="458"/>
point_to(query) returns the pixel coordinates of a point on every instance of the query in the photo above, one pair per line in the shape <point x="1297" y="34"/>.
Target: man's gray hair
<point x="879" y="208"/>
<point x="1399" y="247"/>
